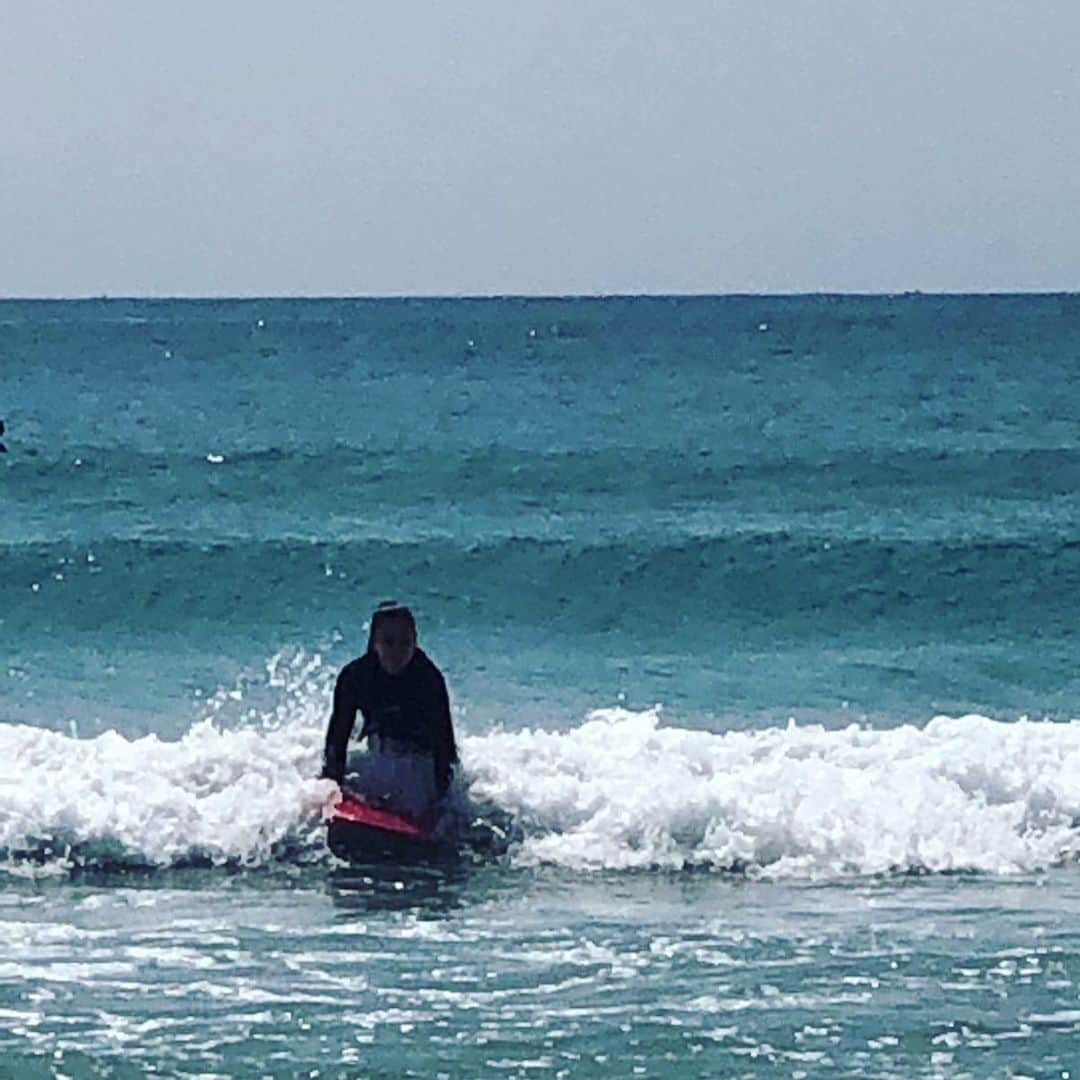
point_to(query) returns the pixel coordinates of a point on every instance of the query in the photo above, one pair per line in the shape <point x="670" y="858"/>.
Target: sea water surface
<point x="758" y="617"/>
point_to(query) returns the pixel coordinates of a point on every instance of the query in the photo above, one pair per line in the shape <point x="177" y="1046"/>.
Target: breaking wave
<point x="620" y="791"/>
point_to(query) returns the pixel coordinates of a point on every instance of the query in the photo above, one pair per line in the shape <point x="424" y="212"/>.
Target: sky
<point x="251" y="147"/>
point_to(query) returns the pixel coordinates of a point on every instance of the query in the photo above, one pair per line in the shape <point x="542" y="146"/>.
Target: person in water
<point x="402" y="697"/>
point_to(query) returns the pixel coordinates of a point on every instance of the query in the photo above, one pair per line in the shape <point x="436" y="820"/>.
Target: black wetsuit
<point x="411" y="708"/>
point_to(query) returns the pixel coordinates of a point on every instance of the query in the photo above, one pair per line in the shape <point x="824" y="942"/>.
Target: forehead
<point x="392" y="626"/>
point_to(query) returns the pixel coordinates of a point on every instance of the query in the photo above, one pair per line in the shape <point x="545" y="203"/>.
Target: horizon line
<point x="659" y="295"/>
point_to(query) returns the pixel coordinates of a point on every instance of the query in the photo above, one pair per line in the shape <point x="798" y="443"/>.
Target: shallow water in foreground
<point x="489" y="971"/>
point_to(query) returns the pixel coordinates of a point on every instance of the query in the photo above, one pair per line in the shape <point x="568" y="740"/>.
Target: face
<point x="394" y="645"/>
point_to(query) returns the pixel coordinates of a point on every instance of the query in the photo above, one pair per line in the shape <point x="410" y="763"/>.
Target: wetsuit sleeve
<point x="445" y="746"/>
<point x="341" y="724"/>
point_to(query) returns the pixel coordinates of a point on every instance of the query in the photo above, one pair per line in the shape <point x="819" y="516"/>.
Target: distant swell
<point x="780" y="581"/>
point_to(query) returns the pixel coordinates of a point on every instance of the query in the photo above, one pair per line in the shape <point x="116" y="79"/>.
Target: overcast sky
<point x="239" y="148"/>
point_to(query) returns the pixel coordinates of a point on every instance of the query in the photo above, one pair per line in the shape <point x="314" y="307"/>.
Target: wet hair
<point x="387" y="610"/>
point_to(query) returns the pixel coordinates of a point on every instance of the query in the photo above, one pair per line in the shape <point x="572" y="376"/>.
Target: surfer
<point x="402" y="697"/>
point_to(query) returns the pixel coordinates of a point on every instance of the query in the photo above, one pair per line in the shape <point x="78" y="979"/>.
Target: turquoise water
<point x="758" y="617"/>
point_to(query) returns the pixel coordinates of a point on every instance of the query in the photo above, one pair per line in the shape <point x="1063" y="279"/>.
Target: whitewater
<point x="622" y="790"/>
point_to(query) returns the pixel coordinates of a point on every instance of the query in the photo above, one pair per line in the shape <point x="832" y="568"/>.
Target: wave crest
<point x="622" y="792"/>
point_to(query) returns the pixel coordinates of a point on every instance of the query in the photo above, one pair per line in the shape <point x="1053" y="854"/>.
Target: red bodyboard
<point x="354" y="811"/>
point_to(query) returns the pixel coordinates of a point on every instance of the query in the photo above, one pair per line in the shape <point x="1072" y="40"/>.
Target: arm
<point x="341" y="725"/>
<point x="444" y="744"/>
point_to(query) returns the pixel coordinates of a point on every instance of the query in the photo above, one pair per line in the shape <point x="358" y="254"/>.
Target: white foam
<point x="221" y="796"/>
<point x="620" y="791"/>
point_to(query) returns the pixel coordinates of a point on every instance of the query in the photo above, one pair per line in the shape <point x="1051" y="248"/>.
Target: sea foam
<point x="242" y="796"/>
<point x="620" y="791"/>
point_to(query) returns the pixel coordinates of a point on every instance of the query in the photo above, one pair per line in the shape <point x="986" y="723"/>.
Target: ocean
<point x="759" y="620"/>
